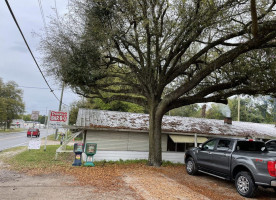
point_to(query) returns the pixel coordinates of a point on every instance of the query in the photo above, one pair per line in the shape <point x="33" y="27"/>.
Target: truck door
<point x="204" y="155"/>
<point x="222" y="156"/>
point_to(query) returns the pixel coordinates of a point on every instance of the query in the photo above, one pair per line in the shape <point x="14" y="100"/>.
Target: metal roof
<point x="88" y="118"/>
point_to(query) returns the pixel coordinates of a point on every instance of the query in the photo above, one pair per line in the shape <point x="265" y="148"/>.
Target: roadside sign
<point x="57" y="119"/>
<point x="35" y="115"/>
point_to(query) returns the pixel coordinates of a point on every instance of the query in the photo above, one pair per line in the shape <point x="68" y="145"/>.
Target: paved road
<point x="9" y="140"/>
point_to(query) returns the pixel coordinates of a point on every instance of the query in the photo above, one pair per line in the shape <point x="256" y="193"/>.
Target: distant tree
<point x="215" y="112"/>
<point x="258" y="109"/>
<point x="133" y="51"/>
<point x="187" y="111"/>
<point x="26" y="117"/>
<point x="74" y="109"/>
<point x="41" y="119"/>
<point x="99" y="104"/>
<point x="11" y="103"/>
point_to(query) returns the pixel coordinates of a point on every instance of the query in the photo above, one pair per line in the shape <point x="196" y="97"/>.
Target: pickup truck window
<point x="250" y="146"/>
<point x="223" y="145"/>
<point x="209" y="145"/>
<point x="271" y="145"/>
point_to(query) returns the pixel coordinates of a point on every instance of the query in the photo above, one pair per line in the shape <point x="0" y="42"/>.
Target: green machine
<point x="90" y="151"/>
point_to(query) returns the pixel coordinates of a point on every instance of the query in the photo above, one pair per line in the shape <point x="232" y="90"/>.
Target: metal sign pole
<point x="47" y="130"/>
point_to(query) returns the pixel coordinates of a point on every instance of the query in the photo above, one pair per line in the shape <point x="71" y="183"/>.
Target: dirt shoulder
<point x="114" y="181"/>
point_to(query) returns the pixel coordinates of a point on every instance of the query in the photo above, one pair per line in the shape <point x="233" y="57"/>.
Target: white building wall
<point x="121" y="141"/>
<point x="174" y="157"/>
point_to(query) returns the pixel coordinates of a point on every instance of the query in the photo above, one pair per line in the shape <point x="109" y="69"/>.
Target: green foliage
<point x="42" y="119"/>
<point x="99" y="104"/>
<point x="26" y="117"/>
<point x="11" y="102"/>
<point x="253" y="110"/>
<point x="187" y="111"/>
<point x="163" y="55"/>
<point x="12" y="130"/>
<point x="215" y="112"/>
<point x="258" y="110"/>
<point x="116" y="106"/>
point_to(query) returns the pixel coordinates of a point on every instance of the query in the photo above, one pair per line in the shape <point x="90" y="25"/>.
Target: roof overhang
<point x="187" y="139"/>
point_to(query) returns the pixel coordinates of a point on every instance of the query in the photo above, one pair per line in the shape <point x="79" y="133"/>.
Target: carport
<point x="181" y="143"/>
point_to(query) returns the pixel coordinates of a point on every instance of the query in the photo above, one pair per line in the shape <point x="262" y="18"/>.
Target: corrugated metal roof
<point x="135" y="121"/>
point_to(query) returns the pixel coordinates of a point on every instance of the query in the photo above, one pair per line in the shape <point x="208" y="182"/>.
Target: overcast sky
<point x="16" y="61"/>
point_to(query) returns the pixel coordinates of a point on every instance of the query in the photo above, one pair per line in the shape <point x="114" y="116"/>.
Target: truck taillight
<point x="271" y="167"/>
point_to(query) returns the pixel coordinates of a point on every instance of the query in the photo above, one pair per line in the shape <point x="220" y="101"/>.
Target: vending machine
<point x="90" y="151"/>
<point x="78" y="149"/>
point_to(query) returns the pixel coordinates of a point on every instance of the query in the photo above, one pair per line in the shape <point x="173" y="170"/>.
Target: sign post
<point x="35" y="115"/>
<point x="56" y="119"/>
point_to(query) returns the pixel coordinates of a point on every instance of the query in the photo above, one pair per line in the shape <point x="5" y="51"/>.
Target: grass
<point x="41" y="161"/>
<point x="14" y="149"/>
<point x="11" y="130"/>
<point x="52" y="137"/>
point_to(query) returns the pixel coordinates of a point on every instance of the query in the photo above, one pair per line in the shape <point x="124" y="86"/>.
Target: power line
<point x="51" y="90"/>
<point x="43" y="17"/>
<point x="36" y="88"/>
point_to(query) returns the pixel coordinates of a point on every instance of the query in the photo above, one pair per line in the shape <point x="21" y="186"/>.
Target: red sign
<point x="58" y="116"/>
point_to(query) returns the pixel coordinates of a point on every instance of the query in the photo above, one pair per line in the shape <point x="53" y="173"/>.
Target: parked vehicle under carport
<point x="247" y="162"/>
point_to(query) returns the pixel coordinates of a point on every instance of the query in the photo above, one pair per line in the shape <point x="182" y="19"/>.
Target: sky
<point x="16" y="61"/>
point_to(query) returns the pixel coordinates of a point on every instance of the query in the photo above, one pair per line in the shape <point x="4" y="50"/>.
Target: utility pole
<point x="239" y="107"/>
<point x="46" y="115"/>
<point x="274" y="111"/>
<point x="60" y="103"/>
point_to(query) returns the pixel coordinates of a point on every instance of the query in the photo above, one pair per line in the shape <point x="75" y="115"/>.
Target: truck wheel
<point x="245" y="184"/>
<point x="191" y="167"/>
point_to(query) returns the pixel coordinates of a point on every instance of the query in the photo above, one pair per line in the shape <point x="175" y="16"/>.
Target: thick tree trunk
<point x="155" y="149"/>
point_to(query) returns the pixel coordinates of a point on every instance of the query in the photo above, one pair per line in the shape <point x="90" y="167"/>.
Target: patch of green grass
<point x="40" y="159"/>
<point x="13" y="149"/>
<point x="169" y="163"/>
<point x="52" y="137"/>
<point x="31" y="159"/>
<point x="11" y="130"/>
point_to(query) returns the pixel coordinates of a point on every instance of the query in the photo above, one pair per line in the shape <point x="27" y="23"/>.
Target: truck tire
<point x="191" y="167"/>
<point x="245" y="185"/>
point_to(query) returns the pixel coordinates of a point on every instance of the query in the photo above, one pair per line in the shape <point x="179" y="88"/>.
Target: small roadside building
<point x="122" y="135"/>
<point x="17" y="123"/>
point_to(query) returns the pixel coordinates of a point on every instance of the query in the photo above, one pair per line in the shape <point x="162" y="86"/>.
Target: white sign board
<point x="34" y="144"/>
<point x="57" y="119"/>
<point x="35" y="115"/>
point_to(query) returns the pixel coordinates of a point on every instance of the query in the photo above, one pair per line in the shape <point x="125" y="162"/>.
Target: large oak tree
<point x="164" y="54"/>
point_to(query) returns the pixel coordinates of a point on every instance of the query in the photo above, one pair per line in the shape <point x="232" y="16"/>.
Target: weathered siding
<point x="108" y="141"/>
<point x="122" y="141"/>
<point x="174" y="157"/>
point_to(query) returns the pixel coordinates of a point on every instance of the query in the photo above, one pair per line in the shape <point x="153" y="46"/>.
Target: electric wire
<point x="14" y="18"/>
<point x="31" y="87"/>
<point x="42" y="15"/>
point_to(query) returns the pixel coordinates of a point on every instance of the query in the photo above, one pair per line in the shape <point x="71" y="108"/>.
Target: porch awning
<point x="187" y="139"/>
